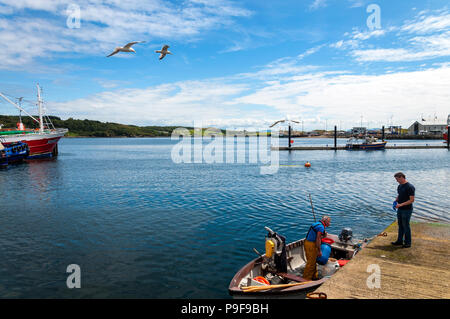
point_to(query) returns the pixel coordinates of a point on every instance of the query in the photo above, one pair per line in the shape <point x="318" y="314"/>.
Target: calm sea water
<point x="141" y="226"/>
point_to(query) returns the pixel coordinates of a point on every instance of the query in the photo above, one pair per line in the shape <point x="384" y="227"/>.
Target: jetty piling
<point x="289" y="136"/>
<point x="335" y="138"/>
<point x="448" y="137"/>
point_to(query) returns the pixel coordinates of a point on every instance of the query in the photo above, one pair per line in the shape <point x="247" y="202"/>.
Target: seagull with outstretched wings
<point x="163" y="51"/>
<point x="125" y="48"/>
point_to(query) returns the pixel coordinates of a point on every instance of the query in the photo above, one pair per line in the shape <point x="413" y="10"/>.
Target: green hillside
<point x="93" y="128"/>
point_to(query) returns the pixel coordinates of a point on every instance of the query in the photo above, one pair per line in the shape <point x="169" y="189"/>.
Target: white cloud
<point x="422" y="48"/>
<point x="426" y="24"/>
<point x="310" y="52"/>
<point x="425" y="37"/>
<point x="312" y="95"/>
<point x="357" y="3"/>
<point x="357" y="35"/>
<point x="176" y="104"/>
<point x="347" y="96"/>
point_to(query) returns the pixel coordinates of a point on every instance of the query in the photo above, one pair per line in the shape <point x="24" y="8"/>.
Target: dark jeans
<point x="403" y="218"/>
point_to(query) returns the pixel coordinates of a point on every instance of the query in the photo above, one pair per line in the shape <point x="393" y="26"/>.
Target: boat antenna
<point x="19" y="101"/>
<point x="18" y="107"/>
<point x="312" y="207"/>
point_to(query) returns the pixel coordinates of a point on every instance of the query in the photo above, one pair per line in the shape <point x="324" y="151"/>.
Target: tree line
<point x="90" y="128"/>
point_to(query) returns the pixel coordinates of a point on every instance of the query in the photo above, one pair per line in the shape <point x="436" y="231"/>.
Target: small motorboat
<point x="278" y="273"/>
<point x="368" y="143"/>
<point x="13" y="153"/>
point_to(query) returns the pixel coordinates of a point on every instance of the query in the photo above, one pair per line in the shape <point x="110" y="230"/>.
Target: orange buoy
<point x="262" y="280"/>
<point x="307" y="164"/>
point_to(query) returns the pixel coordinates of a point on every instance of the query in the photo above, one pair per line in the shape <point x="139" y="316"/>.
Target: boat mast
<point x="18" y="107"/>
<point x="41" y="122"/>
<point x="19" y="100"/>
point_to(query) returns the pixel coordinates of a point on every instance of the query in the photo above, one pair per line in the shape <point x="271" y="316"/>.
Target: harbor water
<point x="140" y="225"/>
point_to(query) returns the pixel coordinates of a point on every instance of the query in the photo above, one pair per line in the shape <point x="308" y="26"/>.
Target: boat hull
<point x="13" y="153"/>
<point x="41" y="145"/>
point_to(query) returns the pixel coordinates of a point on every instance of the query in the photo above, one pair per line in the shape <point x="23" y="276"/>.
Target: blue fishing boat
<point x="13" y="153"/>
<point x="368" y="143"/>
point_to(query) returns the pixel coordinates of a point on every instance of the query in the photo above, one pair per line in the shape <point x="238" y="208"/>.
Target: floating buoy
<point x="292" y="141"/>
<point x="307" y="164"/>
<point x="328" y="241"/>
<point x="342" y="262"/>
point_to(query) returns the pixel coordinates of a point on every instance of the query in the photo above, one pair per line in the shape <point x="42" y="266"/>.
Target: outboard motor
<point x="275" y="258"/>
<point x="346" y="234"/>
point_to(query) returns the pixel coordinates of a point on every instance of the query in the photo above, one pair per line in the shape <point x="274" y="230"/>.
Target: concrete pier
<point x="419" y="272"/>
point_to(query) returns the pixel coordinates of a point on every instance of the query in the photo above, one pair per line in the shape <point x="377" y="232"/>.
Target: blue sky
<point x="235" y="63"/>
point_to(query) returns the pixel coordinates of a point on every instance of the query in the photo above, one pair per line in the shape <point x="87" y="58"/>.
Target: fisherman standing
<point x="405" y="198"/>
<point x="313" y="242"/>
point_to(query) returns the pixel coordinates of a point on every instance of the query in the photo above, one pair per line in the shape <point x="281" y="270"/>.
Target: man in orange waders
<point x="312" y="247"/>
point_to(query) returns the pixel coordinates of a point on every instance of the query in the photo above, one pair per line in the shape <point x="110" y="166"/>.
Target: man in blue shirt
<point x="405" y="198"/>
<point x="312" y="245"/>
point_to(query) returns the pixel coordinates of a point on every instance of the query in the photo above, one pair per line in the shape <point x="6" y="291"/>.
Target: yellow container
<point x="270" y="248"/>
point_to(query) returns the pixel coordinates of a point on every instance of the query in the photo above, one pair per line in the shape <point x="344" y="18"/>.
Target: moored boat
<point x="13" y="153"/>
<point x="41" y="145"/>
<point x="43" y="141"/>
<point x="368" y="143"/>
<point x="279" y="276"/>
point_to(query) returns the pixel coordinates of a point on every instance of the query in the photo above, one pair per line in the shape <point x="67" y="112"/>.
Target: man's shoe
<point x="396" y="243"/>
<point x="406" y="246"/>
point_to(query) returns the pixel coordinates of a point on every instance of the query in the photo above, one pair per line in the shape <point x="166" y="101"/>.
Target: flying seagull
<point x="163" y="51"/>
<point x="126" y="48"/>
<point x="282" y="121"/>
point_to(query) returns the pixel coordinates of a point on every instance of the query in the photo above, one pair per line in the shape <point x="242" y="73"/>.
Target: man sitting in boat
<point x="313" y="242"/>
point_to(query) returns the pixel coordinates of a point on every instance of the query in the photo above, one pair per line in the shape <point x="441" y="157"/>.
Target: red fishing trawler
<point x="43" y="141"/>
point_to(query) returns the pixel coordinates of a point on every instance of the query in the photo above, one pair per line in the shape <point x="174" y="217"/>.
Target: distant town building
<point x="394" y="130"/>
<point x="374" y="131"/>
<point x="314" y="133"/>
